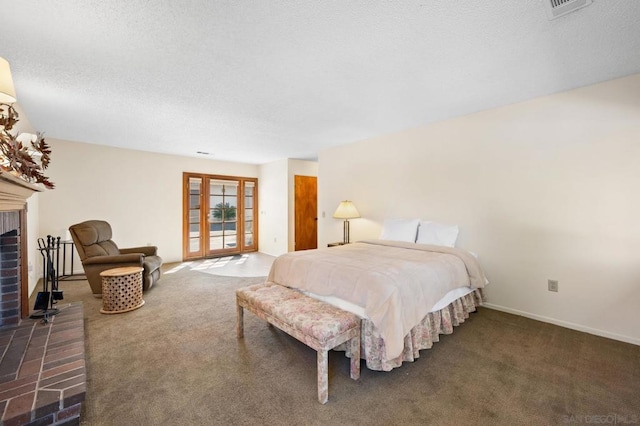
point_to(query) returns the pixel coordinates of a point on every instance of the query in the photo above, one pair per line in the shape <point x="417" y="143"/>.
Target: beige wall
<point x="139" y="193"/>
<point x="272" y="205"/>
<point x="545" y="189"/>
<point x="277" y="204"/>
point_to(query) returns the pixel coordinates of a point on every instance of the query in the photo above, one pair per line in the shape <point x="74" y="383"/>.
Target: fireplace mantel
<point x="15" y="191"/>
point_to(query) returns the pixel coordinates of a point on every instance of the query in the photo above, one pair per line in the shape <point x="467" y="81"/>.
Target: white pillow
<point x="437" y="234"/>
<point x="400" y="230"/>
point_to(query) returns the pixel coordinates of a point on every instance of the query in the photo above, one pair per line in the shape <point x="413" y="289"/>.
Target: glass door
<point x="219" y="215"/>
<point x="223" y="212"/>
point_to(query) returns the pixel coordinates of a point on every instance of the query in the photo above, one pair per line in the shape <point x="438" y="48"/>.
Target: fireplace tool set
<point x="50" y="294"/>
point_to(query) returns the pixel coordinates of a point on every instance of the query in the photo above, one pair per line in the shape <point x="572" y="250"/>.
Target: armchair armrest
<point x="146" y="250"/>
<point x="121" y="258"/>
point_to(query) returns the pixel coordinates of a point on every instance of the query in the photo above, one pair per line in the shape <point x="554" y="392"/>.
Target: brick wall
<point x="9" y="278"/>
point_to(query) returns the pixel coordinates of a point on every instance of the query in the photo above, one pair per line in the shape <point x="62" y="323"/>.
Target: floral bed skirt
<point x="422" y="336"/>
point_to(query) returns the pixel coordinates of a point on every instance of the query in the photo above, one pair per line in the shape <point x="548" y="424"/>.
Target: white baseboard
<point x="573" y="326"/>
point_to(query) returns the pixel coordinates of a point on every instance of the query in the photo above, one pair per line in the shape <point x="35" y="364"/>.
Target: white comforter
<point x="395" y="283"/>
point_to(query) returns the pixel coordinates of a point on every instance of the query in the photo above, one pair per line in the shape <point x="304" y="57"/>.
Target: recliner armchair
<point x="98" y="253"/>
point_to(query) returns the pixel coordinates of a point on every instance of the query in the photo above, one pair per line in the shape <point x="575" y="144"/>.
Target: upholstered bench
<point x="317" y="324"/>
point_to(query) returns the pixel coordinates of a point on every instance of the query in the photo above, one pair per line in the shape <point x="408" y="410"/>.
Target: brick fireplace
<point x="42" y="364"/>
<point x="10" y="297"/>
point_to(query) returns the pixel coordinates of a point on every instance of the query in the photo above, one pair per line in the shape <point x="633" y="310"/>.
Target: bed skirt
<point x="422" y="336"/>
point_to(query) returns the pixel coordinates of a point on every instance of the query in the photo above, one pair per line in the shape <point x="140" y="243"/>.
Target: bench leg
<point x="239" y="321"/>
<point x="323" y="376"/>
<point x="355" y="357"/>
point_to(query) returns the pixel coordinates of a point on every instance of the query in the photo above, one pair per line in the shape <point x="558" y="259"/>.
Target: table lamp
<point x="346" y="210"/>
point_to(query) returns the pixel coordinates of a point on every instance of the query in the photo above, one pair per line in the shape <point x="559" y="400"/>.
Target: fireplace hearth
<point x="42" y="364"/>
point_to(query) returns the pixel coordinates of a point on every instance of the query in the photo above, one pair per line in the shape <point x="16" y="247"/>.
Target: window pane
<point x="216" y="188"/>
<point x="230" y="208"/>
<point x="194" y="245"/>
<point x="230" y="241"/>
<point x="215" y="229"/>
<point x="216" y="243"/>
<point x="215" y="214"/>
<point x="231" y="188"/>
<point x="194" y="192"/>
<point x="219" y="187"/>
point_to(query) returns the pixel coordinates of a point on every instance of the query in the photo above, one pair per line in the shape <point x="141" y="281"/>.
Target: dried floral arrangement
<point x="22" y="159"/>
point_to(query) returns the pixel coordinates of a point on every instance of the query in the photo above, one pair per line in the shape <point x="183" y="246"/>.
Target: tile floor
<point x="242" y="265"/>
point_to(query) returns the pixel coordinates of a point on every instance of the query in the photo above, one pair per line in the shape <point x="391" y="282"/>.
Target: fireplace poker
<point x="56" y="294"/>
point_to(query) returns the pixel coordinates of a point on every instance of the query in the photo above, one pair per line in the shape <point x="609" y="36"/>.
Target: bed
<point x="407" y="293"/>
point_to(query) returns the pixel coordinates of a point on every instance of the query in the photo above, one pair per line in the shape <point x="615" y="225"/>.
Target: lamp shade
<point x="346" y="210"/>
<point x="7" y="92"/>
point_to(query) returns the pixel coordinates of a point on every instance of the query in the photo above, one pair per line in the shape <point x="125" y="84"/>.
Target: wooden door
<point x="306" y="212"/>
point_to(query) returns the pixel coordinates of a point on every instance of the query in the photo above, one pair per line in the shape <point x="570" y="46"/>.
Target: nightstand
<point x="339" y="243"/>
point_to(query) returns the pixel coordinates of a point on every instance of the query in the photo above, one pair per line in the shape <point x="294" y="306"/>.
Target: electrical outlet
<point x="553" y="285"/>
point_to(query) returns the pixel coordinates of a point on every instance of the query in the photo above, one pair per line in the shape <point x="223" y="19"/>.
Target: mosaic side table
<point x="121" y="290"/>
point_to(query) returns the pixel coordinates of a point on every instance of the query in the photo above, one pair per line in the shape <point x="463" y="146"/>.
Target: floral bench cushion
<point x="309" y="316"/>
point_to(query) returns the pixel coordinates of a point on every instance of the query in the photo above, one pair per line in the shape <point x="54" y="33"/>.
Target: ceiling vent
<point x="558" y="8"/>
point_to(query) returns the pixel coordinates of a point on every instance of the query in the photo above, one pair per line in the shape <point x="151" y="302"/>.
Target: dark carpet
<point x="176" y="361"/>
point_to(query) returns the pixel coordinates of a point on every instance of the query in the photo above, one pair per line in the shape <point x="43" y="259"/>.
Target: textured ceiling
<point x="257" y="81"/>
